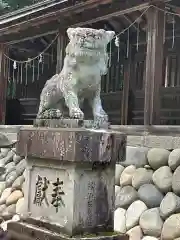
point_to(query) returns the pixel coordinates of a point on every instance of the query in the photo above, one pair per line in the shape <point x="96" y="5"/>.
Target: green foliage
<point x="15" y="4"/>
<point x="3" y="5"/>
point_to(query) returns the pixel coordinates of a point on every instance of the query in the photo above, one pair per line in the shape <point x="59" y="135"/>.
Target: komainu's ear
<point x="109" y="35"/>
<point x="102" y="31"/>
<point x="70" y="33"/>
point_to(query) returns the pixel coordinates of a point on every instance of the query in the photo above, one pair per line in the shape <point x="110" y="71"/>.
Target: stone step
<point x="26" y="231"/>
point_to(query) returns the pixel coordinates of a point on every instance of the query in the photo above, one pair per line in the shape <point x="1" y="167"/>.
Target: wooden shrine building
<point x="142" y="86"/>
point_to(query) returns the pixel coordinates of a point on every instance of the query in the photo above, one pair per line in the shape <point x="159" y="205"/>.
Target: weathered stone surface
<point x="147" y="167"/>
<point x="158" y="157"/>
<point x="136" y="156"/>
<point x="3" y="177"/>
<point x="150" y="195"/>
<point x="93" y="76"/>
<point x="75" y="144"/>
<point x="125" y="197"/>
<point x="126" y="176"/>
<point x="20" y="167"/>
<point x="5" y="194"/>
<point x="17" y="184"/>
<point x="4" y="224"/>
<point x="133" y="213"/>
<point x="120" y="220"/>
<point x="169" y="205"/>
<point x="11" y="174"/>
<point x="23" y="187"/>
<point x="2" y="170"/>
<point x="119" y="169"/>
<point x="158" y="141"/>
<point x="174" y="159"/>
<point x="151" y="222"/>
<point x="16" y="159"/>
<point x="33" y="232"/>
<point x="25" y="174"/>
<point x="9" y="212"/>
<point x="7" y="159"/>
<point x="162" y="178"/>
<point x="10" y="167"/>
<point x="2" y="208"/>
<point x="14" y="197"/>
<point x="85" y="190"/>
<point x="117" y="189"/>
<point x="4" y="152"/>
<point x="171" y="228"/>
<point x="20" y="206"/>
<point x="1" y="219"/>
<point x="135" y="233"/>
<point x="149" y="238"/>
<point x="69" y="123"/>
<point x="2" y="187"/>
<point x="176" y="181"/>
<point x="141" y="176"/>
<point x="10" y="178"/>
<point x="16" y="218"/>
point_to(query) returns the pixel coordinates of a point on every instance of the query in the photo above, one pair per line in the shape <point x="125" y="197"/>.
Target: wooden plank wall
<point x="169" y="91"/>
<point x="3" y="83"/>
<point x="154" y="63"/>
<point x="131" y="109"/>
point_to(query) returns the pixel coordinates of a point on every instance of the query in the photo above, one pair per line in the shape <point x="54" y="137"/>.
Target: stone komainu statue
<point x="85" y="62"/>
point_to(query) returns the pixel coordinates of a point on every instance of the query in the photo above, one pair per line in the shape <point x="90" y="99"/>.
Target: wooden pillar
<point x="125" y="93"/>
<point x="61" y="45"/>
<point x="3" y="83"/>
<point x="154" y="64"/>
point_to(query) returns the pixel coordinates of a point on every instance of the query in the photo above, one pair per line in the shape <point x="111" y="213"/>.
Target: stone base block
<point x="27" y="231"/>
<point x="70" y="177"/>
<point x="78" y="199"/>
<point x="70" y="123"/>
<point x="135" y="156"/>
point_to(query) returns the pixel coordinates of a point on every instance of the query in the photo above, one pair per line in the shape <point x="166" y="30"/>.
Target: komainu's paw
<point x="50" y="114"/>
<point x="76" y="113"/>
<point x="101" y="117"/>
<point x="101" y="121"/>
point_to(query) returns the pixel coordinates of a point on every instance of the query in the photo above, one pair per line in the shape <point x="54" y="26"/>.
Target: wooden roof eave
<point x="11" y="18"/>
<point x="28" y="10"/>
<point x="91" y="10"/>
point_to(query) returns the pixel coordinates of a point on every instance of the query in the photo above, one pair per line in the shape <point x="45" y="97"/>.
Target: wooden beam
<point x="116" y="24"/>
<point x="130" y="22"/>
<point x="60" y="52"/>
<point x="3" y="83"/>
<point x="154" y="63"/>
<point x="29" y="10"/>
<point x="8" y="39"/>
<point x="50" y="16"/>
<point x="116" y="9"/>
<point x="125" y="93"/>
<point x="92" y="11"/>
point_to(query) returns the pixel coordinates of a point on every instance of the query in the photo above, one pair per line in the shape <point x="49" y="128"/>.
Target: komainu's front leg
<point x="72" y="103"/>
<point x="98" y="111"/>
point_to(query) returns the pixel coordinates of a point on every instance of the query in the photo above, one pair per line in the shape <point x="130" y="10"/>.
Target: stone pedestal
<point x="70" y="123"/>
<point x="70" y="181"/>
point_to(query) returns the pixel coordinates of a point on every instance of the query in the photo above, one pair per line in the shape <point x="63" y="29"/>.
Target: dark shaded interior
<point x="132" y="54"/>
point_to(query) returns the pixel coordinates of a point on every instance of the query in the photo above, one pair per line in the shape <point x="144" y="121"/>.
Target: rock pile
<point x="12" y="177"/>
<point x="147" y="193"/>
<point x="147" y="197"/>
